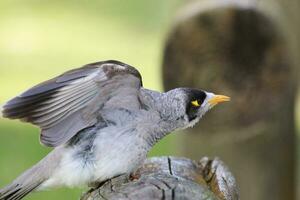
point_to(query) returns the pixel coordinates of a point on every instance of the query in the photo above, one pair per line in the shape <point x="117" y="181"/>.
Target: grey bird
<point x="101" y="123"/>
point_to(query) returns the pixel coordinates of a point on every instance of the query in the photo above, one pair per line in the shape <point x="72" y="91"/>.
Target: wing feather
<point x="62" y="100"/>
<point x="57" y="105"/>
<point x="61" y="112"/>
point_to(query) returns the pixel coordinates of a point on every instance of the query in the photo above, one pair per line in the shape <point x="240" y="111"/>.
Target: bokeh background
<point x="42" y="39"/>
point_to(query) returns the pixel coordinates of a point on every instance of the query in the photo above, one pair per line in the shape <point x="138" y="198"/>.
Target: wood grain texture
<point x="171" y="178"/>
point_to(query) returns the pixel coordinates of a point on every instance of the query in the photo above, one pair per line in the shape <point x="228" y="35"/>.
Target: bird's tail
<point x="29" y="180"/>
<point x="21" y="186"/>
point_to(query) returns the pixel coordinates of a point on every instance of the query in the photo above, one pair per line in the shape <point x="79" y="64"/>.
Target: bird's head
<point x="189" y="105"/>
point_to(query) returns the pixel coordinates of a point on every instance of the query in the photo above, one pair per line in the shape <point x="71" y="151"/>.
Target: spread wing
<point x="70" y="102"/>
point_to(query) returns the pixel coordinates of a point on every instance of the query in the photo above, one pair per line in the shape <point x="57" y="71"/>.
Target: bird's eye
<point x="196" y="103"/>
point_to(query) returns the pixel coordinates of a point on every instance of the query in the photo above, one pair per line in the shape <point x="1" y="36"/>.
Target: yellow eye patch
<point x="195" y="103"/>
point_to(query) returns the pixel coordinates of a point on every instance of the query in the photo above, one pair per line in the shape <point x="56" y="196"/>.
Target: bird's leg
<point x="135" y="175"/>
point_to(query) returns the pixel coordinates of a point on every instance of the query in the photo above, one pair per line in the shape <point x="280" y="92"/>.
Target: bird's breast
<point x="118" y="150"/>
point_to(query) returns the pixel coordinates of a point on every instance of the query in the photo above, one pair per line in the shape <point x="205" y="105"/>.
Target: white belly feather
<point x="115" y="153"/>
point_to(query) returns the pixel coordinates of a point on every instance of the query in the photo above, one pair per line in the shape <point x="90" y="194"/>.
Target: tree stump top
<point x="171" y="178"/>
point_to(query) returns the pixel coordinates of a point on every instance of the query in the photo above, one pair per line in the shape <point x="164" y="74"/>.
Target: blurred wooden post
<point x="247" y="50"/>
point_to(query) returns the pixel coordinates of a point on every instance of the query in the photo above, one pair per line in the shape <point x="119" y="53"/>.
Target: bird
<point x="101" y="123"/>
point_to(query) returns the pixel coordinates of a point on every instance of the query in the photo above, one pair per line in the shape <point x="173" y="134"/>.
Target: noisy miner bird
<point x="101" y="123"/>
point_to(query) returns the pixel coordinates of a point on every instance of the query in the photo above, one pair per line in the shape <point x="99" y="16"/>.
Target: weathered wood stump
<point x="243" y="49"/>
<point x="171" y="178"/>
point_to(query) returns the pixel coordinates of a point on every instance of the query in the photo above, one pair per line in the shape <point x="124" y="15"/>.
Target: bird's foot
<point x="134" y="176"/>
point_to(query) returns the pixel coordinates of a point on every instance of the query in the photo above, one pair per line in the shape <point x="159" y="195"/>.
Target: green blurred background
<point x="41" y="39"/>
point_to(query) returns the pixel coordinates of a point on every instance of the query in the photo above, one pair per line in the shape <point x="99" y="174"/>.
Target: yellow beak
<point x="218" y="99"/>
